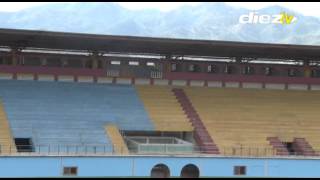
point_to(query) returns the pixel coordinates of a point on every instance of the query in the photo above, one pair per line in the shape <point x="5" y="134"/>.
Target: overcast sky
<point x="306" y="8"/>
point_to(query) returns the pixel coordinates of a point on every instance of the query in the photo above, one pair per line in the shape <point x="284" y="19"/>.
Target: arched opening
<point x="190" y="171"/>
<point x="160" y="171"/>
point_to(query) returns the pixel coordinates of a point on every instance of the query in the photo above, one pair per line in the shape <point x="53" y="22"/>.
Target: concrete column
<point x="14" y="56"/>
<point x="94" y="62"/>
<point x="95" y="58"/>
<point x="63" y="61"/>
<point x="307" y="71"/>
<point x="83" y="63"/>
<point x="43" y="61"/>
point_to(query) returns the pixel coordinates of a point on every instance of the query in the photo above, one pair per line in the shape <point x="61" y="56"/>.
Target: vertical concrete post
<point x="14" y="56"/>
<point x="306" y="69"/>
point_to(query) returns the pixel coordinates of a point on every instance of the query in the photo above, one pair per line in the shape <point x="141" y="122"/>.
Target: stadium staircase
<point x="201" y="135"/>
<point x="301" y="145"/>
<point x="118" y="143"/>
<point x="7" y="144"/>
<point x="278" y="146"/>
<point x="164" y="109"/>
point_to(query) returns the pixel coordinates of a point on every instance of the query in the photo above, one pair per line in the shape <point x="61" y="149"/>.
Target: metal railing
<point x="109" y="150"/>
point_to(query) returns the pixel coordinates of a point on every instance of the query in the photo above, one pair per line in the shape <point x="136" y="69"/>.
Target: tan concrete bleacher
<point x="163" y="108"/>
<point x="119" y="145"/>
<point x="7" y="144"/>
<point x="246" y="117"/>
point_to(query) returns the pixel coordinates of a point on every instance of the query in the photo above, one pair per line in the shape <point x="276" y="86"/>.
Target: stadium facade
<point x="89" y="105"/>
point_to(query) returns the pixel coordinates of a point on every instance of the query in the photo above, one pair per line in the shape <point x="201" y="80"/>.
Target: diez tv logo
<point x="255" y="18"/>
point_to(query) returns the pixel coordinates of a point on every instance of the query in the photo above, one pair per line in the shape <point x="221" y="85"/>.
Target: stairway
<point x="301" y="145"/>
<point x="278" y="146"/>
<point x="119" y="146"/>
<point x="201" y="134"/>
<point x="7" y="144"/>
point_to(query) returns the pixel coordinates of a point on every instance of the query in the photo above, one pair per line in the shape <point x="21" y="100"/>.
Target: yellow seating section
<point x="119" y="145"/>
<point x="246" y="117"/>
<point x="7" y="144"/>
<point x="163" y="108"/>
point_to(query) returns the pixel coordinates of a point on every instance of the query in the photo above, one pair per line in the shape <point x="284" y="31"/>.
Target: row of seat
<point x="65" y="113"/>
<point x="6" y="140"/>
<point x="163" y="108"/>
<point x="243" y="117"/>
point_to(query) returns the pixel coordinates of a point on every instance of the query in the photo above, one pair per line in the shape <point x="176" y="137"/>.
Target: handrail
<point x="108" y="149"/>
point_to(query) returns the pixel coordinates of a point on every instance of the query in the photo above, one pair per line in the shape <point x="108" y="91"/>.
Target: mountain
<point x="210" y="20"/>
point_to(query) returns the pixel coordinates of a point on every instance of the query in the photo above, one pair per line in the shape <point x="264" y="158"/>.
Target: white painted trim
<point x="45" y="77"/>
<point x="252" y="85"/>
<point x="197" y="83"/>
<point x="214" y="84"/>
<point x="275" y="86"/>
<point x="179" y="83"/>
<point x="85" y="79"/>
<point x="6" y="76"/>
<point x="297" y="87"/>
<point x="27" y="77"/>
<point x="124" y="81"/>
<point x="140" y="81"/>
<point x="161" y="82"/>
<point x="104" y="80"/>
<point x="232" y="84"/>
<point x="65" y="78"/>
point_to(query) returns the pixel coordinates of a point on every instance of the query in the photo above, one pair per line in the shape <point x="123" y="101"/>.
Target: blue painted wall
<point x="141" y="166"/>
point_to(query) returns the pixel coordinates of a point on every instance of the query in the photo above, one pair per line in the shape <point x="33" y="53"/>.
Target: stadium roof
<point x="148" y="45"/>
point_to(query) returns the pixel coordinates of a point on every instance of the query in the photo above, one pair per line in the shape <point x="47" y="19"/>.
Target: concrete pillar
<point x="307" y="69"/>
<point x="95" y="58"/>
<point x="94" y="62"/>
<point x="43" y="61"/>
<point x="63" y="61"/>
<point x="83" y="63"/>
<point x="14" y="56"/>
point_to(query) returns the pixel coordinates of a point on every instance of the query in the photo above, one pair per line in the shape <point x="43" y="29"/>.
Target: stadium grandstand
<point x="85" y="105"/>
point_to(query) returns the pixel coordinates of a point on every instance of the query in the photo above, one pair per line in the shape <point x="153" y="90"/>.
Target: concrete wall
<point x="140" y="166"/>
<point x="164" y="82"/>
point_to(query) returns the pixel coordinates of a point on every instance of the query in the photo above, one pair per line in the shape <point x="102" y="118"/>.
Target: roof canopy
<point x="147" y="45"/>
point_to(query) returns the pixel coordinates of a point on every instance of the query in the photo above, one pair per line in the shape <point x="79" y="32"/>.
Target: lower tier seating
<point x="65" y="113"/>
